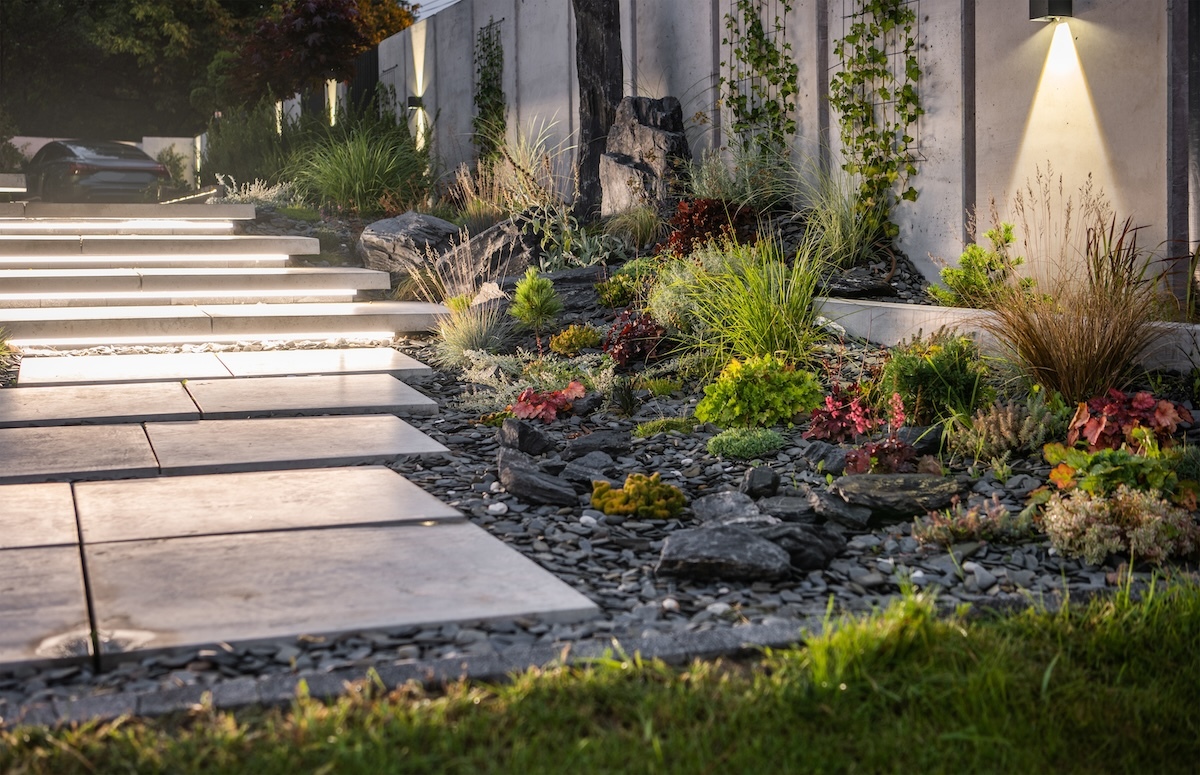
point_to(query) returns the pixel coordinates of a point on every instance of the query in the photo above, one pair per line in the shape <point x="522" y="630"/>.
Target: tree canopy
<point x="125" y="68"/>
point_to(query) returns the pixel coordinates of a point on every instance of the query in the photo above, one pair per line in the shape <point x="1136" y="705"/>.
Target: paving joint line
<point x="89" y="600"/>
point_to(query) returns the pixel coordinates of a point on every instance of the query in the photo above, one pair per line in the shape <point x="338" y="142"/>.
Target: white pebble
<point x="670" y="604"/>
<point x="587" y="521"/>
<point x="496" y="509"/>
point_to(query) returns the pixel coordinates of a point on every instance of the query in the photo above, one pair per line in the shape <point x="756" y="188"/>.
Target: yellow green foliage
<point x="642" y="496"/>
<point x="574" y="338"/>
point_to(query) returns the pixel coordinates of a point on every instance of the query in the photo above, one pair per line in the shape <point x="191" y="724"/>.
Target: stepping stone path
<point x="160" y="502"/>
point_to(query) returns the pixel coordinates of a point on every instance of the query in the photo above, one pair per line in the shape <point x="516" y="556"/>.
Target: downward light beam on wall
<point x="1049" y="10"/>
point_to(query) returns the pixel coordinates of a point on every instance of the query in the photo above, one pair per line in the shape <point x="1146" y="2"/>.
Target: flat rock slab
<point x="43" y="610"/>
<point x="222" y="504"/>
<point x="80" y="370"/>
<point x="238" y="589"/>
<point x="37" y="515"/>
<point x="95" y="404"/>
<point x="226" y="446"/>
<point x="355" y="360"/>
<point x="74" y="452"/>
<point x="228" y="399"/>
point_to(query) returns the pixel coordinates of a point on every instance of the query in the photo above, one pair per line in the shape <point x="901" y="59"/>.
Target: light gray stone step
<point x="177" y="324"/>
<point x="252" y="502"/>
<point x="76" y="227"/>
<point x="224" y="399"/>
<point x="188" y="592"/>
<point x="12" y="183"/>
<point x="85" y="452"/>
<point x="131" y="211"/>
<point x="37" y="515"/>
<point x="32" y="288"/>
<point x="43" y="606"/>
<point x="49" y="250"/>
<point x="172" y="367"/>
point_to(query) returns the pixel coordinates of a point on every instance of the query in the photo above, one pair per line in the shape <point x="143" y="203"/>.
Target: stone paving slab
<point x="172" y="367"/>
<point x="43" y="613"/>
<point x="354" y="360"/>
<point x="229" y="399"/>
<point x="96" y="404"/>
<point x="179" y="506"/>
<point x="227" y="446"/>
<point x="79" y="370"/>
<point x="246" y="588"/>
<point x="37" y="515"/>
<point x="74" y="452"/>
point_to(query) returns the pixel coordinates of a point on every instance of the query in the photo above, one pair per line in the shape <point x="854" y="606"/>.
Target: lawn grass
<point x="1110" y="686"/>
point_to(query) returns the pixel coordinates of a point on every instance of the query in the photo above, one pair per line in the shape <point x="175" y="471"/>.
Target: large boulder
<point x="398" y="245"/>
<point x="894" y="497"/>
<point x="646" y="151"/>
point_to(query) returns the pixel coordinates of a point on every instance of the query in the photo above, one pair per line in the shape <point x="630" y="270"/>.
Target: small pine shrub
<point x="665" y="425"/>
<point x="574" y="338"/>
<point x="982" y="274"/>
<point x="1142" y="524"/>
<point x="987" y="521"/>
<point x="937" y="378"/>
<point x="760" y="391"/>
<point x="535" y="303"/>
<point x="645" y="497"/>
<point x="745" y="443"/>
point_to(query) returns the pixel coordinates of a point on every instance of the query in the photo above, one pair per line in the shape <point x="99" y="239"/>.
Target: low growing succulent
<point x="760" y="391"/>
<point x="1142" y="524"/>
<point x="987" y="521"/>
<point x="645" y="497"/>
<point x="745" y="443"/>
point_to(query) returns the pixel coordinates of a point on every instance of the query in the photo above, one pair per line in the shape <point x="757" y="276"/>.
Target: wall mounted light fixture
<point x="415" y="103"/>
<point x="1049" y="10"/>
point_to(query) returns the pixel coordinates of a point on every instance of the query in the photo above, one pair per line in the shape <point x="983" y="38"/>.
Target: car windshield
<point x="107" y="151"/>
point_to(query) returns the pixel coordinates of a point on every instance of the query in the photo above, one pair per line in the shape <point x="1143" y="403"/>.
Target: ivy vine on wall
<point x="491" y="106"/>
<point x="877" y="102"/>
<point x="759" y="84"/>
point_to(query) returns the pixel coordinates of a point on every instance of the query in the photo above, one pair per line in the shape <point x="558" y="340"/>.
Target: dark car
<point x="94" y="171"/>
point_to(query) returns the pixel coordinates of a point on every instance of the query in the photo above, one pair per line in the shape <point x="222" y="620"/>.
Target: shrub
<point x="483" y="327"/>
<point x="937" y="378"/>
<point x="1116" y="419"/>
<point x="982" y="274"/>
<point x="244" y="144"/>
<point x="1104" y="470"/>
<point x="760" y="391"/>
<point x="986" y="521"/>
<point x="645" y="497"/>
<point x="535" y="303"/>
<point x="748" y="302"/>
<point x="745" y="443"/>
<point x="574" y="338"/>
<point x="698" y="222"/>
<point x="618" y="291"/>
<point x="1009" y="427"/>
<point x="1142" y="524"/>
<point x="665" y="425"/>
<point x="844" y="416"/>
<point x="634" y="337"/>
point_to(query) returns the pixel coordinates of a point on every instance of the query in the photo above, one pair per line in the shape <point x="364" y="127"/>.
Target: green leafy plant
<point x="759" y="84"/>
<point x="745" y="443"/>
<point x="983" y="273"/>
<point x="1140" y="523"/>
<point x="985" y="521"/>
<point x="877" y="102"/>
<point x="650" y="428"/>
<point x="1103" y="471"/>
<point x="574" y="338"/>
<point x="535" y="303"/>
<point x="491" y="106"/>
<point x="760" y="391"/>
<point x="176" y="164"/>
<point x="645" y="497"/>
<point x="939" y="377"/>
<point x="1009" y="427"/>
<point x="618" y="291"/>
<point x="532" y="405"/>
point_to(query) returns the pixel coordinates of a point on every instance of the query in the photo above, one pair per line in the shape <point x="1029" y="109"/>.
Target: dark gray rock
<point x="523" y="436"/>
<point x="506" y="249"/>
<point x="849" y="286"/>
<point x="789" y="508"/>
<point x="925" y="439"/>
<point x="834" y="509"/>
<point x="520" y="475"/>
<point x="729" y="552"/>
<point x="723" y="504"/>
<point x="645" y="153"/>
<point x="613" y="442"/>
<point x="825" y="457"/>
<point x="582" y="407"/>
<point x="398" y="245"/>
<point x="897" y="496"/>
<point x="811" y="547"/>
<point x="760" y="482"/>
<point x="592" y="467"/>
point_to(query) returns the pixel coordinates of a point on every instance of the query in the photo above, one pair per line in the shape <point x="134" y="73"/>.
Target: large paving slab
<point x="225" y="446"/>
<point x="359" y="360"/>
<point x="229" y="399"/>
<point x="245" y="588"/>
<point x="37" y="515"/>
<point x="255" y="502"/>
<point x="90" y="369"/>
<point x="124" y="211"/>
<point x="74" y="452"/>
<point x="96" y="404"/>
<point x="43" y="609"/>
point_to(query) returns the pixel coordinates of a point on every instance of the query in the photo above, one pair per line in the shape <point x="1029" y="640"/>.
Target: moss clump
<point x="642" y="496"/>
<point x="665" y="425"/>
<point x="745" y="443"/>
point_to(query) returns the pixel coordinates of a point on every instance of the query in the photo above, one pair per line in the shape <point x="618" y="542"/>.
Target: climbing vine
<point x="491" y="107"/>
<point x="759" y="84"/>
<point x="877" y="103"/>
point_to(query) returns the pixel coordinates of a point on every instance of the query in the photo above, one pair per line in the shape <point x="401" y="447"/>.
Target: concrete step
<point x="96" y="226"/>
<point x="125" y="212"/>
<point x="85" y="452"/>
<point x="32" y="288"/>
<point x="51" y="251"/>
<point x="181" y="324"/>
<point x="173" y="367"/>
<point x="222" y="399"/>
